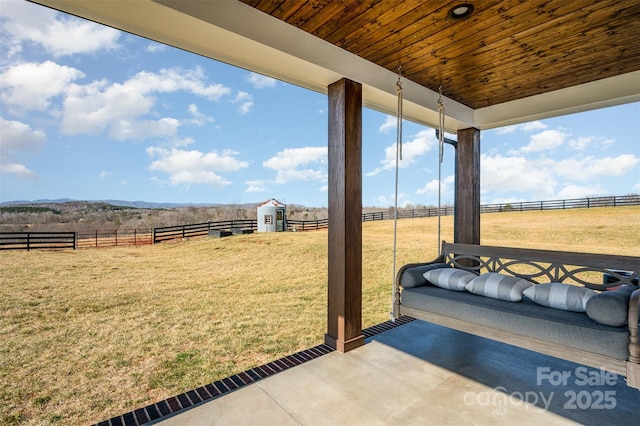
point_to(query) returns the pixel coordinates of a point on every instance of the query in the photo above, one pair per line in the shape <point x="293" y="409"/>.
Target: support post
<point x="466" y="222"/>
<point x="344" y="323"/>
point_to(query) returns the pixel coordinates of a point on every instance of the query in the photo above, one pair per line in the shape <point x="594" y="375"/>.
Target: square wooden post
<point x="344" y="328"/>
<point x="466" y="221"/>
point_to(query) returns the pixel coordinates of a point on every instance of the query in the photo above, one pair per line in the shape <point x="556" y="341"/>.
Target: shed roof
<point x="272" y="202"/>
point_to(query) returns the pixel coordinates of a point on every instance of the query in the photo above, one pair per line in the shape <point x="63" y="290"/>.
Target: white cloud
<point x="575" y="191"/>
<point x="308" y="163"/>
<point x="431" y="188"/>
<point x="31" y="86"/>
<point x="16" y="137"/>
<point x="507" y="200"/>
<point x="260" y="81"/>
<point x="581" y="143"/>
<point x="154" y="47"/>
<point x="390" y="123"/>
<point x="533" y="125"/>
<point x="245" y="100"/>
<point x="526" y="127"/>
<point x="169" y="80"/>
<point x="587" y="168"/>
<point x="389" y="200"/>
<point x="194" y="167"/>
<point x="19" y="170"/>
<point x="143" y="129"/>
<point x="104" y="175"/>
<point x="539" y="178"/>
<point x="198" y="118"/>
<point x="100" y="106"/>
<point x="545" y="141"/>
<point x="423" y="142"/>
<point x="58" y="34"/>
<point x="255" y="186"/>
<point x="504" y="174"/>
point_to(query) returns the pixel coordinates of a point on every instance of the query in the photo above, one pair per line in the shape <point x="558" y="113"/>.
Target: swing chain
<point x="399" y="118"/>
<point x="441" y="124"/>
<point x="395" y="289"/>
<point x="441" y="143"/>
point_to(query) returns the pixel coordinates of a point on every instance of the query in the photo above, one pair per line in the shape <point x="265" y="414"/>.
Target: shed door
<point x="279" y="220"/>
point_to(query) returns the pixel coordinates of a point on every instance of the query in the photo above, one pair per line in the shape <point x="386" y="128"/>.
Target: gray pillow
<point x="560" y="296"/>
<point x="449" y="278"/>
<point x="413" y="277"/>
<point x="610" y="307"/>
<point x="499" y="286"/>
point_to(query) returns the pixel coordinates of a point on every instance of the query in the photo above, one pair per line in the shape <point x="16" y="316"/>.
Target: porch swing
<point x="591" y="337"/>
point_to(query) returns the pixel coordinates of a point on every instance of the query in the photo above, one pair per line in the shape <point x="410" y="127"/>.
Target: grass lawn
<point x="89" y="334"/>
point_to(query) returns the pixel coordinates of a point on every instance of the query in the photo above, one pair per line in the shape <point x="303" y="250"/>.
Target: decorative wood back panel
<point x="543" y="266"/>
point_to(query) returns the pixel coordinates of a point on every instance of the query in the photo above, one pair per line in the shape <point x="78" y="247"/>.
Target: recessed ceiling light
<point x="461" y="11"/>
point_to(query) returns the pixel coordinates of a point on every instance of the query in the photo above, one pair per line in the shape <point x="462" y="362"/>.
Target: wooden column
<point x="345" y="216"/>
<point x="466" y="222"/>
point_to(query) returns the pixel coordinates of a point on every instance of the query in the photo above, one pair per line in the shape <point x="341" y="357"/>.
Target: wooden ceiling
<point x="506" y="50"/>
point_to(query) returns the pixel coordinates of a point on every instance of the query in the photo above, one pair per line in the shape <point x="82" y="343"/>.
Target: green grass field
<point x="89" y="334"/>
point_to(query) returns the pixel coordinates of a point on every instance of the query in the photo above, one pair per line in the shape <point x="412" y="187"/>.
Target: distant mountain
<point x="152" y="205"/>
<point x="120" y="203"/>
<point x="23" y="202"/>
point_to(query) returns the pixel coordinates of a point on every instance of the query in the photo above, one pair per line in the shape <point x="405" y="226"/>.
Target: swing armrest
<point x="403" y="268"/>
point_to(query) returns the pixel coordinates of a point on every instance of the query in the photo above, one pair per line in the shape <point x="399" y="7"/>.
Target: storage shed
<point x="272" y="216"/>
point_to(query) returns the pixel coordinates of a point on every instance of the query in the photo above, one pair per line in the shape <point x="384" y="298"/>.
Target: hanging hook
<point x="399" y="123"/>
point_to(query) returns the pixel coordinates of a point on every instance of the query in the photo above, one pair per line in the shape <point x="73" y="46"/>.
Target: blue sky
<point x="91" y="113"/>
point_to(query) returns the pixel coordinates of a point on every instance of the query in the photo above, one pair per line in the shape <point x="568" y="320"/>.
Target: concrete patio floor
<point x="418" y="374"/>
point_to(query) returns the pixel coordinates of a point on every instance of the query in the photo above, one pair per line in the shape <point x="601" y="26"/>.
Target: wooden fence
<point x="113" y="237"/>
<point x="307" y="225"/>
<point x="183" y="231"/>
<point x="408" y="214"/>
<point x="37" y="240"/>
<point x="109" y="238"/>
<point x="577" y="203"/>
<point x="198" y="229"/>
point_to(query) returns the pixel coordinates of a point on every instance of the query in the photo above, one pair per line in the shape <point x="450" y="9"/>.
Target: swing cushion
<point x="560" y="296"/>
<point x="449" y="278"/>
<point x="499" y="286"/>
<point x="611" y="307"/>
<point x="414" y="277"/>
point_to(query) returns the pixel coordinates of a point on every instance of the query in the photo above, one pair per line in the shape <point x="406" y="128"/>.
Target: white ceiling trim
<point x="585" y="97"/>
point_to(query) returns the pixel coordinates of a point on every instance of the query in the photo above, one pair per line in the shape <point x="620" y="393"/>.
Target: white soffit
<point x="585" y="97"/>
<point x="232" y="32"/>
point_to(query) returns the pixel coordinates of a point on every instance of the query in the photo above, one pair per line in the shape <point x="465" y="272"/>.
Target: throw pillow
<point x="560" y="296"/>
<point x="449" y="278"/>
<point x="413" y="277"/>
<point x="499" y="286"/>
<point x="610" y="307"/>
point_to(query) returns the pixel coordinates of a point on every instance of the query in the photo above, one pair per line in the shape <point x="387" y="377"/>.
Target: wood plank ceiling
<point x="505" y="50"/>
